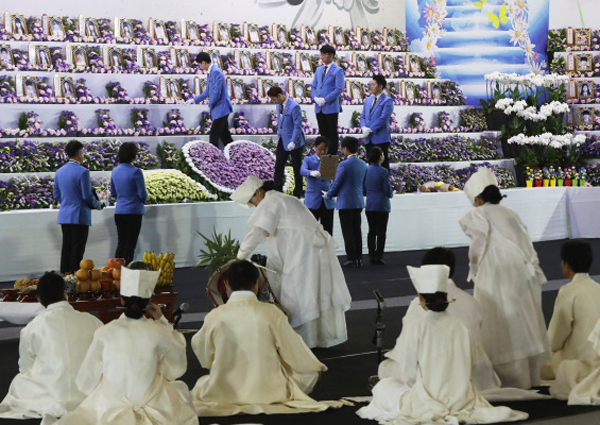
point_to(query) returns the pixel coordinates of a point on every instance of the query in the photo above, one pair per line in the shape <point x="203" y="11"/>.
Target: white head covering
<point x="430" y="279"/>
<point x="138" y="283"/>
<point x="246" y="190"/>
<point x="483" y="178"/>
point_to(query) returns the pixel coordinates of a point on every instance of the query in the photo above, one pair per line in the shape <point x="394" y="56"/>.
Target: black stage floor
<point x="351" y="363"/>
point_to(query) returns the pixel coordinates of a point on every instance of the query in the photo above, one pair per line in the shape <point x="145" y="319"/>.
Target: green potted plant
<point x="220" y="249"/>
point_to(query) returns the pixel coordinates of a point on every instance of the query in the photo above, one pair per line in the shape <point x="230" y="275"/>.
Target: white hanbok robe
<point x="436" y="388"/>
<point x="257" y="363"/>
<point x="51" y="349"/>
<point x="308" y="278"/>
<point x="129" y="374"/>
<point x="576" y="312"/>
<point x="587" y="392"/>
<point x="508" y="286"/>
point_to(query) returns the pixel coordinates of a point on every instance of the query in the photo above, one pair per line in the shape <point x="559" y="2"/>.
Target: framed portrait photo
<point x="388" y="37"/>
<point x="308" y="34"/>
<point x="338" y="36"/>
<point x="149" y="59"/>
<point x="253" y="33"/>
<point x="412" y="63"/>
<point x="364" y="35"/>
<point x="159" y="30"/>
<point x="297" y="88"/>
<point x="67" y="87"/>
<point x="583" y="37"/>
<point x="91" y="27"/>
<point x="191" y="30"/>
<point x="6" y="56"/>
<point x="30" y="88"/>
<point x="215" y="57"/>
<point x="584" y="62"/>
<point x="182" y="58"/>
<point x="434" y="89"/>
<point x="79" y="56"/>
<point x="245" y="60"/>
<point x="115" y="57"/>
<point x="42" y="57"/>
<point x="238" y="89"/>
<point x="360" y="62"/>
<point x="221" y="31"/>
<point x="585" y="115"/>
<point x="305" y="62"/>
<point x="173" y="89"/>
<point x="585" y="89"/>
<point x="18" y="24"/>
<point x="125" y="28"/>
<point x="56" y="27"/>
<point x="387" y="63"/>
<point x="355" y="90"/>
<point x="265" y="86"/>
<point x="409" y="90"/>
<point x="276" y="61"/>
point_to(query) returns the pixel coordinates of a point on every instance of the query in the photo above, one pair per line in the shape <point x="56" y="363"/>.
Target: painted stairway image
<point x="472" y="47"/>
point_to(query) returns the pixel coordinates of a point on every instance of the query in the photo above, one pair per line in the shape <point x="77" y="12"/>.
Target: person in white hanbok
<point x="305" y="273"/>
<point x="587" y="392"/>
<point x="576" y="312"/>
<point x="436" y="388"/>
<point x="508" y="285"/>
<point x="51" y="349"/>
<point x="130" y="369"/>
<point x="257" y="363"/>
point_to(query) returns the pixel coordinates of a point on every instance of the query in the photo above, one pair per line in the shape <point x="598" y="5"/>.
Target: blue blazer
<point x="128" y="187"/>
<point x="331" y="88"/>
<point x="349" y="184"/>
<point x="216" y="91"/>
<point x="313" y="195"/>
<point x="289" y="124"/>
<point x="377" y="120"/>
<point x="378" y="189"/>
<point x="73" y="190"/>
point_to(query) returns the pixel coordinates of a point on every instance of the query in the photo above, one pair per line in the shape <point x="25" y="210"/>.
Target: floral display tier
<point x="31" y="238"/>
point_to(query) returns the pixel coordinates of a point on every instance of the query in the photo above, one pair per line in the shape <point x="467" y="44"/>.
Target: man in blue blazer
<point x="348" y="187"/>
<point x="322" y="208"/>
<point x="73" y="190"/>
<point x="375" y="119"/>
<point x="327" y="86"/>
<point x="218" y="100"/>
<point x="290" y="138"/>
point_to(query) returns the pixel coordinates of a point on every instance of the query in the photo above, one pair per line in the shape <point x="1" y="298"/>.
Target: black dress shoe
<point x="358" y="263"/>
<point x="349" y="263"/>
<point x="378" y="262"/>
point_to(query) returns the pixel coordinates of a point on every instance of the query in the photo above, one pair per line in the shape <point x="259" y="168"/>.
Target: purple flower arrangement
<point x="444" y="121"/>
<point x="225" y="171"/>
<point x="117" y="93"/>
<point x="416" y="121"/>
<point x="450" y="148"/>
<point x="30" y="123"/>
<point x="141" y="124"/>
<point x="35" y="29"/>
<point x="69" y="123"/>
<point x="174" y="124"/>
<point x="59" y="63"/>
<point x="205" y="122"/>
<point x="106" y="125"/>
<point x="472" y="120"/>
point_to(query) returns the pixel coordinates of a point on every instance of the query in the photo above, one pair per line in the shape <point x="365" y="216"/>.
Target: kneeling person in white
<point x="576" y="312"/>
<point x="131" y="366"/>
<point x="257" y="363"/>
<point x="436" y="387"/>
<point x="51" y="349"/>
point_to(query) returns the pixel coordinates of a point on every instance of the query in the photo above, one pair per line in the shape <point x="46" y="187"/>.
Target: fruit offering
<point x="164" y="263"/>
<point x="21" y="284"/>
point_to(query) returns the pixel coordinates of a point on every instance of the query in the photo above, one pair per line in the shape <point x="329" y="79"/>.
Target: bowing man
<point x="576" y="312"/>
<point x="257" y="363"/>
<point x="51" y="350"/>
<point x="375" y="119"/>
<point x="434" y="384"/>
<point x="290" y="138"/>
<point x="219" y="102"/>
<point x="327" y="86"/>
<point x="322" y="208"/>
<point x="130" y="369"/>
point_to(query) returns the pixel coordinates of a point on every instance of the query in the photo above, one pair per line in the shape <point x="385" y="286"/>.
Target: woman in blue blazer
<point x="378" y="190"/>
<point x="127" y="186"/>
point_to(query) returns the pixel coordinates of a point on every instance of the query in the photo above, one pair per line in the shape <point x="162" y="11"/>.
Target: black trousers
<point x="385" y="147"/>
<point x="378" y="221"/>
<point x="128" y="230"/>
<point x="325" y="216"/>
<point x="328" y="128"/>
<point x="220" y="130"/>
<point x="281" y="156"/>
<point x="350" y="222"/>
<point x="73" y="246"/>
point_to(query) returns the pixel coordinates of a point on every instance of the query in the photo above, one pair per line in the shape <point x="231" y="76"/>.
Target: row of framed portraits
<point x="583" y="115"/>
<point x="584" y="89"/>
<point x="190" y="30"/>
<point x="579" y="62"/>
<point x="28" y="86"/>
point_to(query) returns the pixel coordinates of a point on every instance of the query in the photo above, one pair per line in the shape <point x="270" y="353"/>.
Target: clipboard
<point x="328" y="165"/>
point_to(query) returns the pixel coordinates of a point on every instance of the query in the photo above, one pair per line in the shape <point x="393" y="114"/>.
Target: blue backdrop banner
<point x="472" y="38"/>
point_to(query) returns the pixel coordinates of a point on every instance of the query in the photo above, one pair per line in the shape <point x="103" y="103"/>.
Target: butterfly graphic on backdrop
<point x="479" y="4"/>
<point x="494" y="19"/>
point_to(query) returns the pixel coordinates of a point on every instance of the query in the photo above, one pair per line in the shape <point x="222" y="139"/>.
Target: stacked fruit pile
<point x="108" y="278"/>
<point x="164" y="263"/>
